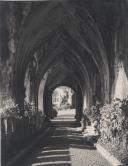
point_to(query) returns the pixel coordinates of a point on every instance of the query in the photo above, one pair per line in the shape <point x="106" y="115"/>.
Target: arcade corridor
<point x="49" y="45"/>
<point x="63" y="145"/>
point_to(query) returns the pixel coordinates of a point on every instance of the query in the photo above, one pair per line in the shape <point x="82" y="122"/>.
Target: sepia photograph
<point x="64" y="83"/>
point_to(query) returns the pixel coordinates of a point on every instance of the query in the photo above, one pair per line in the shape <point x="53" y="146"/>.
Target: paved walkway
<point x="64" y="146"/>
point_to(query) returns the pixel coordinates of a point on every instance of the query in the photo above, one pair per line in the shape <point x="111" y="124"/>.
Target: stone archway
<point x="48" y="101"/>
<point x="43" y="32"/>
<point x="62" y="100"/>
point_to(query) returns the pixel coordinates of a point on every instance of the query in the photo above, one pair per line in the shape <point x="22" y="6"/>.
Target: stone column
<point x="47" y="103"/>
<point x="78" y="106"/>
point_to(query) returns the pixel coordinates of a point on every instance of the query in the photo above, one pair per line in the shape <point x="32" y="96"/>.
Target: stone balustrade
<point x="18" y="132"/>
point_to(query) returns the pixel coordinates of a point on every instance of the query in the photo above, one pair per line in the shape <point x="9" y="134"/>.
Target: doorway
<point x="63" y="102"/>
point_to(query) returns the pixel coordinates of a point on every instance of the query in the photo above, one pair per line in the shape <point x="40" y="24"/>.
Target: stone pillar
<point x="32" y="88"/>
<point x="79" y="104"/>
<point x="47" y="103"/>
<point x="73" y="101"/>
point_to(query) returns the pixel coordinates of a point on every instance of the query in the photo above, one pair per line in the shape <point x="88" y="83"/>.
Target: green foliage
<point x="113" y="125"/>
<point x="17" y="112"/>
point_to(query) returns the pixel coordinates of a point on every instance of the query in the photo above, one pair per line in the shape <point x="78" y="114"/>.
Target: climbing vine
<point x="113" y="126"/>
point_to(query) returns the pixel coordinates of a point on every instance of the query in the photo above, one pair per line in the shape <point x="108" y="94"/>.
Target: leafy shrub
<point x="113" y="126"/>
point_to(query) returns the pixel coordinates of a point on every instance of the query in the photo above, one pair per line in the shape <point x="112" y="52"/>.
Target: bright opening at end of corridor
<point x="63" y="102"/>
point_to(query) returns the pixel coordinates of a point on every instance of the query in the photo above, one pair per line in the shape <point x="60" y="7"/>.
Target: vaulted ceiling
<point x="68" y="38"/>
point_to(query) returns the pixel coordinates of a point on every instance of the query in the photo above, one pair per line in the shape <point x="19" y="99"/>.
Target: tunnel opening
<point x="63" y="102"/>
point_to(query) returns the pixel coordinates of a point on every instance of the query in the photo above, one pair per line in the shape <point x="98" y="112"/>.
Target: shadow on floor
<point x="54" y="149"/>
<point x="59" y="164"/>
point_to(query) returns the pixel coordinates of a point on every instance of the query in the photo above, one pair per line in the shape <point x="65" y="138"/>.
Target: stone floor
<point x="64" y="145"/>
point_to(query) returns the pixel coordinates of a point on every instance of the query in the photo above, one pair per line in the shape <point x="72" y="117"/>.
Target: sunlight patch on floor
<point x="52" y="163"/>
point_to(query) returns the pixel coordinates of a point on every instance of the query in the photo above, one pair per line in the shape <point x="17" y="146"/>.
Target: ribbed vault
<point x="65" y="40"/>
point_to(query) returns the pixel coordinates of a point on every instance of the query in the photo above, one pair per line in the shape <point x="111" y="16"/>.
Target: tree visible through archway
<point x="63" y="101"/>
